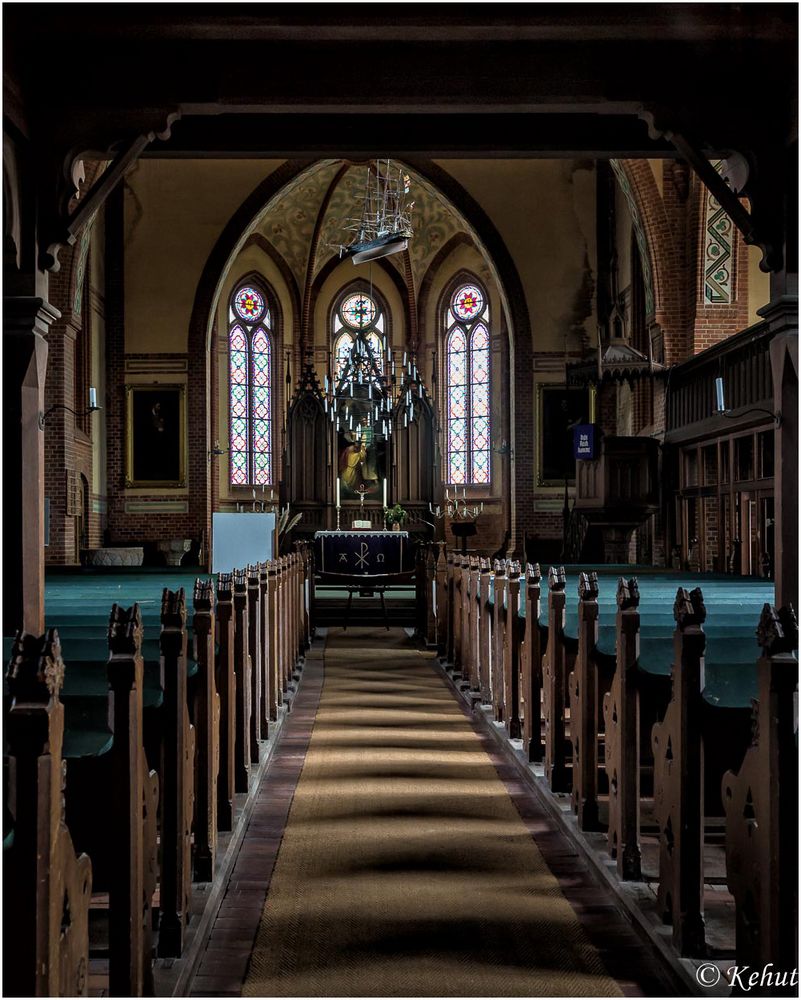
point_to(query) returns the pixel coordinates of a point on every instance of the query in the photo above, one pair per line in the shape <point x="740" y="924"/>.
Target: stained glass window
<point x="250" y="355"/>
<point x="467" y="351"/>
<point x="357" y="312"/>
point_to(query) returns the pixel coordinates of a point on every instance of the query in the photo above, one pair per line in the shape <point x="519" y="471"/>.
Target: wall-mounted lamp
<point x="720" y="406"/>
<point x="92" y="408"/>
<point x="502" y="447"/>
<point x="217" y="450"/>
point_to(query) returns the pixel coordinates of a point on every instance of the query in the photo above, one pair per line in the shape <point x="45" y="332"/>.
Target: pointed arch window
<point x="357" y="312"/>
<point x="467" y="370"/>
<point x="250" y="351"/>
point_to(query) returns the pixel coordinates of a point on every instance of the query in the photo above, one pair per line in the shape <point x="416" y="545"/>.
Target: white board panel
<point x="239" y="539"/>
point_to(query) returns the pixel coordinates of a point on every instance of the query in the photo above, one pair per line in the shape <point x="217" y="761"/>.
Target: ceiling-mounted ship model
<point x="385" y="225"/>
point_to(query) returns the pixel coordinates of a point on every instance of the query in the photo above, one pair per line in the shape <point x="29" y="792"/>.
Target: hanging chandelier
<point x="371" y="388"/>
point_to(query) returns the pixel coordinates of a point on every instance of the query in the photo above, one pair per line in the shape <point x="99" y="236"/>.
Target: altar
<point x="363" y="554"/>
<point x="367" y="564"/>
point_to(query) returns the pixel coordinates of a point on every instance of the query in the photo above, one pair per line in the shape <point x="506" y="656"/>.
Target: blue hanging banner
<point x="584" y="439"/>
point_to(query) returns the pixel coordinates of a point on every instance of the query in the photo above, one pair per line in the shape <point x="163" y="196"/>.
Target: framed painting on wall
<point x="559" y="409"/>
<point x="155" y="436"/>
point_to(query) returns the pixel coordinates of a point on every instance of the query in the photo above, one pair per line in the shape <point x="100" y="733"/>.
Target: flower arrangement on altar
<point x="395" y="516"/>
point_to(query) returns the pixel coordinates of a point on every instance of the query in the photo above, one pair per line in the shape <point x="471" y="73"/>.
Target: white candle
<point x="92" y="398"/>
<point x="337" y="491"/>
<point x="385" y="491"/>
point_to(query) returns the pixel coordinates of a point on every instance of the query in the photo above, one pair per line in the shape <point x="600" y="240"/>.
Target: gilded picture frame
<point x="155" y="436"/>
<point x="558" y="407"/>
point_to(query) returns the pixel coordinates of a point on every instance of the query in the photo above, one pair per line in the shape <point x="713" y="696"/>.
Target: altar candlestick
<point x="385" y="491"/>
<point x="337" y="492"/>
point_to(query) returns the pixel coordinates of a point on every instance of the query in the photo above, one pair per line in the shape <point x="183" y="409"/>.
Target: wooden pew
<point x="177" y="781"/>
<point x="498" y="630"/>
<point x="474" y="622"/>
<point x="583" y="686"/>
<point x="442" y="600"/>
<point x="678" y="781"/>
<point x="242" y="751"/>
<point x="255" y="643"/>
<point x="513" y="631"/>
<point x="484" y="630"/>
<point x="450" y="609"/>
<point x="207" y="727"/>
<point x="554" y="671"/>
<point x="276" y="696"/>
<point x="47" y="889"/>
<point x="226" y="686"/>
<point x="761" y="804"/>
<point x="131" y="832"/>
<point x="429" y="586"/>
<point x="465" y="652"/>
<point x="621" y="709"/>
<point x="531" y="665"/>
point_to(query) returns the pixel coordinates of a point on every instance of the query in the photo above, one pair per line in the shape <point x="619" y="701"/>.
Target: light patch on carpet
<point x="405" y="868"/>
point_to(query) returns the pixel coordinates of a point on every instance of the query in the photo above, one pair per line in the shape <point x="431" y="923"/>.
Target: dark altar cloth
<point x="363" y="554"/>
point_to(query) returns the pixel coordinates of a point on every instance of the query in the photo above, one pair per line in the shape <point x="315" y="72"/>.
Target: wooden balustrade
<point x="45" y="955"/>
<point x="761" y="804"/>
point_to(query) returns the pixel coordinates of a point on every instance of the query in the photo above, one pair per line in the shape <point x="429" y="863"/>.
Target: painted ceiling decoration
<point x="289" y="221"/>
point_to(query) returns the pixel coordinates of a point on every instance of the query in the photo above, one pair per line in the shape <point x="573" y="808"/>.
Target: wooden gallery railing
<point x="581" y="710"/>
<point x="202" y="729"/>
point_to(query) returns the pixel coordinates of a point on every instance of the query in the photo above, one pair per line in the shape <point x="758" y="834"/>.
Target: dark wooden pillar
<point x="26" y="320"/>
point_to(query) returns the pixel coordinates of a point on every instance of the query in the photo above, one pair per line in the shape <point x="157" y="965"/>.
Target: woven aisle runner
<point x="405" y="869"/>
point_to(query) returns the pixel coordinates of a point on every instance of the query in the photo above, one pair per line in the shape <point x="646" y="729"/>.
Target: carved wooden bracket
<point x="60" y="224"/>
<point x="764" y="225"/>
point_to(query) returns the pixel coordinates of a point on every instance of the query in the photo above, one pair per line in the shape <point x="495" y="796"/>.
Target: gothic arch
<point x="487" y="238"/>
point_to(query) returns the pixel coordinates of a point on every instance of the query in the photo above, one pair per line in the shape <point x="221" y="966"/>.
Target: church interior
<point x="400" y="500"/>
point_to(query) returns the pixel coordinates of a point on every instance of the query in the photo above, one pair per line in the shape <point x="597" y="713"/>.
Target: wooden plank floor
<point x="224" y="965"/>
